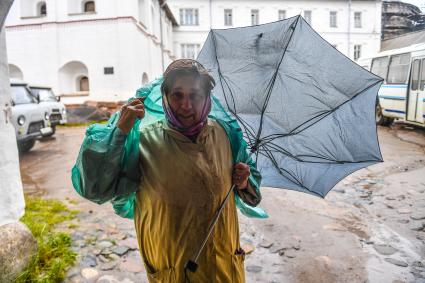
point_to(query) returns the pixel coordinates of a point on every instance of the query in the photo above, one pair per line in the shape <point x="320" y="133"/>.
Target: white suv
<point x="52" y="104"/>
<point x="31" y="121"/>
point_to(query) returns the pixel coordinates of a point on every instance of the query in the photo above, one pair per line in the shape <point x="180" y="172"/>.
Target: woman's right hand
<point x="129" y="113"/>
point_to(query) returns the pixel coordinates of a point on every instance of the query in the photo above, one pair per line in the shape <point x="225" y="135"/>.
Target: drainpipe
<point x="349" y="30"/>
<point x="210" y="14"/>
<point x="160" y="33"/>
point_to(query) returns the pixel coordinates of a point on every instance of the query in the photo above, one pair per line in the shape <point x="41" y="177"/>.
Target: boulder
<point x="17" y="245"/>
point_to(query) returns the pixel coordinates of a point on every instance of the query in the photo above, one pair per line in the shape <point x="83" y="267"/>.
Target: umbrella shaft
<point x="213" y="223"/>
<point x="217" y="215"/>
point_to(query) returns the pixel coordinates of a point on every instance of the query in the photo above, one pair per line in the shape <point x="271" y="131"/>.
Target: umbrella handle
<point x="192" y="264"/>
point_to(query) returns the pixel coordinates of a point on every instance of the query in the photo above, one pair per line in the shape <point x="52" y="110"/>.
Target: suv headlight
<point x="21" y="120"/>
<point x="64" y="111"/>
<point x="46" y="116"/>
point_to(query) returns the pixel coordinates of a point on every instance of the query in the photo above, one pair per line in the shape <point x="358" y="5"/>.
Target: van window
<point x="380" y="67"/>
<point x="415" y="74"/>
<point x="45" y="94"/>
<point x="423" y="75"/>
<point x="399" y="69"/>
<point x="21" y="95"/>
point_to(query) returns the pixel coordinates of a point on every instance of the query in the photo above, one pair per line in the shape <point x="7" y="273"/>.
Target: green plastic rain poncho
<point x="166" y="208"/>
<point x="120" y="171"/>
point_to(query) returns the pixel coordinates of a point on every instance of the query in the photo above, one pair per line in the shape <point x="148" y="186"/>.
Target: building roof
<point x="163" y="4"/>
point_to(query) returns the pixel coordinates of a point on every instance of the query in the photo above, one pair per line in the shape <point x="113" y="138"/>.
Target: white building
<point x="353" y="27"/>
<point x="89" y="50"/>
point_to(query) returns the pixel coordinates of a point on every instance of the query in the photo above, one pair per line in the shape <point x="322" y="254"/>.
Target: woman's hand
<point x="129" y="113"/>
<point x="241" y="173"/>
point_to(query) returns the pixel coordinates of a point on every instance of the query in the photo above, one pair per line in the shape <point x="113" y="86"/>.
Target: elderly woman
<point x="186" y="166"/>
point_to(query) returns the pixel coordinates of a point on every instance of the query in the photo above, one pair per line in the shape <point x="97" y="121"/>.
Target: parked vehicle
<point x="402" y="95"/>
<point x="55" y="108"/>
<point x="31" y="121"/>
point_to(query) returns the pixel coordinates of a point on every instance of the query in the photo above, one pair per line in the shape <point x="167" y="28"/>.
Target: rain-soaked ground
<point x="370" y="227"/>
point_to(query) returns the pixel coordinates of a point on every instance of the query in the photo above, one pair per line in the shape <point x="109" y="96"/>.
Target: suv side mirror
<point x="38" y="98"/>
<point x="58" y="98"/>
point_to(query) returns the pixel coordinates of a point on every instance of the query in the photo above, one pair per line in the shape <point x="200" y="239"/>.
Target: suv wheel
<point x="26" y="146"/>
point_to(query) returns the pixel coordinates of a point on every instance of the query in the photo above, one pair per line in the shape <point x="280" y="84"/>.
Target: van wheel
<point x="381" y="119"/>
<point x="24" y="147"/>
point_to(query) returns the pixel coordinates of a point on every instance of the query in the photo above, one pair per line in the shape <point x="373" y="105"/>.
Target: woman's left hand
<point x="241" y="173"/>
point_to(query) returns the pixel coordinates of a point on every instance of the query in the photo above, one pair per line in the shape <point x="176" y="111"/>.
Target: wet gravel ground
<point x="370" y="227"/>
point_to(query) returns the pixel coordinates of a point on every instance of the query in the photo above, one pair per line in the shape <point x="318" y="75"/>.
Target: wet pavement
<point x="370" y="227"/>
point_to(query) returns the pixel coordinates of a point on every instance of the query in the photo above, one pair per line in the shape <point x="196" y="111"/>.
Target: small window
<point x="189" y="17"/>
<point x="357" y="19"/>
<point x="228" y="17"/>
<point x="83" y="84"/>
<point x="145" y="79"/>
<point x="282" y="15"/>
<point x="357" y="51"/>
<point x="333" y="19"/>
<point x="189" y="51"/>
<point x="415" y="75"/>
<point x="89" y="6"/>
<point x="108" y="70"/>
<point x="307" y="17"/>
<point x="398" y="69"/>
<point x="255" y="14"/>
<point x="380" y="66"/>
<point x="42" y="9"/>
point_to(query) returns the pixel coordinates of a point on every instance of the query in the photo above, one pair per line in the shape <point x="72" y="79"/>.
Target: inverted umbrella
<point x="306" y="110"/>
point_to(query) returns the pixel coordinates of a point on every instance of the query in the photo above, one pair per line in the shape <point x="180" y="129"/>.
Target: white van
<point x="31" y="121"/>
<point x="52" y="104"/>
<point x="402" y="94"/>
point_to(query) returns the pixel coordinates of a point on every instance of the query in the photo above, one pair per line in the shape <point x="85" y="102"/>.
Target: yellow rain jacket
<point x="172" y="188"/>
<point x="180" y="191"/>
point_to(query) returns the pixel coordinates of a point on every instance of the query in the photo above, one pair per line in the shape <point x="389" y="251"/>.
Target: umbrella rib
<point x="280" y="169"/>
<point x="273" y="79"/>
<point x="325" y="114"/>
<point x="247" y="129"/>
<point x="279" y="149"/>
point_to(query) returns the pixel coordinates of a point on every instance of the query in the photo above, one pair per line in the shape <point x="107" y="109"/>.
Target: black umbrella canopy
<point x="307" y="110"/>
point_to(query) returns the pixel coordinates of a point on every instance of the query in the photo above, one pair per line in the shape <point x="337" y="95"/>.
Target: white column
<point x="12" y="203"/>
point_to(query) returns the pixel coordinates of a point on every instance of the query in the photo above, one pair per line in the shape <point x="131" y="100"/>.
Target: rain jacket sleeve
<point x="103" y="170"/>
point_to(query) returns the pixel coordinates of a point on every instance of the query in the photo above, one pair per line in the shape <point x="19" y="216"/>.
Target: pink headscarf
<point x="193" y="131"/>
<point x="188" y="65"/>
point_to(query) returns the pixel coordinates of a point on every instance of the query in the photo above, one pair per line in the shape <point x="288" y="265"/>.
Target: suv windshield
<point x="21" y="95"/>
<point x="45" y="94"/>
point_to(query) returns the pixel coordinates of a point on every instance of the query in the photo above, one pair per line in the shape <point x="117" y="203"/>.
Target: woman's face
<point x="187" y="99"/>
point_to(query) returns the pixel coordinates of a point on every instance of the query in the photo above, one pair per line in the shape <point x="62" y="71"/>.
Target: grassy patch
<point x="54" y="255"/>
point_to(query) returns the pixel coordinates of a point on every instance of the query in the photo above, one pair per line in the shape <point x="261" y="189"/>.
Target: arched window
<point x="41" y="9"/>
<point x="83" y="84"/>
<point x="89" y="6"/>
<point x="74" y="78"/>
<point x="145" y="79"/>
